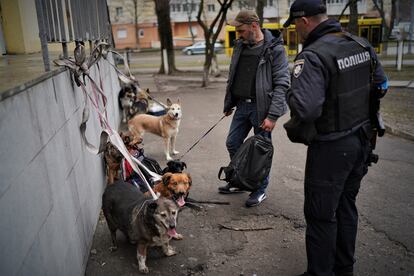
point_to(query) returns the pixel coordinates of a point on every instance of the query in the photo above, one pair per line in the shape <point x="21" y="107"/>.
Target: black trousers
<point x="333" y="174"/>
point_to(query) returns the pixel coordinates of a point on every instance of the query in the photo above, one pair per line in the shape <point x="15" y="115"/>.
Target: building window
<point x="141" y="33"/>
<point x="270" y="3"/>
<point x="178" y="7"/>
<point x="122" y="33"/>
<point x="185" y="7"/>
<point x="118" y="11"/>
<point x="211" y="8"/>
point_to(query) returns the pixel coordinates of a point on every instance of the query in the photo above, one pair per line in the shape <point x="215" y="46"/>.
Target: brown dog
<point x="113" y="157"/>
<point x="175" y="186"/>
<point x="166" y="126"/>
<point x="144" y="221"/>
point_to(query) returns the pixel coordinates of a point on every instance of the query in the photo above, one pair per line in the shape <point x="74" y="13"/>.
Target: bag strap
<point x="364" y="44"/>
<point x="220" y="172"/>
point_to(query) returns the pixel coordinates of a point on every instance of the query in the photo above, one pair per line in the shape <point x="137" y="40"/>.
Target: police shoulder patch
<point x="298" y="67"/>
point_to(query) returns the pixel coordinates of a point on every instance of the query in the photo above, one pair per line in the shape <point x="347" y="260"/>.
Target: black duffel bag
<point x="250" y="165"/>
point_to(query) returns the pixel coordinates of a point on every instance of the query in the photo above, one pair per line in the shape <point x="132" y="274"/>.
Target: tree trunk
<point x="343" y="10"/>
<point x="211" y="33"/>
<point x="162" y="9"/>
<point x="259" y="10"/>
<point x="411" y="31"/>
<point x="136" y="24"/>
<point x="190" y="5"/>
<point x="393" y="16"/>
<point x="353" y="17"/>
<point x="384" y="22"/>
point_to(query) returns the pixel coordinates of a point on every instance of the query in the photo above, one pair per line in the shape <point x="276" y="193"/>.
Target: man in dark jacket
<point x="333" y="79"/>
<point x="257" y="85"/>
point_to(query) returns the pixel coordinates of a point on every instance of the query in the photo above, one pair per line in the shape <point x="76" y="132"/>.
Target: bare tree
<point x="162" y="9"/>
<point x="394" y="14"/>
<point x="211" y="33"/>
<point x="387" y="28"/>
<point x="259" y="10"/>
<point x="136" y="24"/>
<point x="411" y="30"/>
<point x="190" y="5"/>
<point x="353" y="16"/>
<point x="382" y="14"/>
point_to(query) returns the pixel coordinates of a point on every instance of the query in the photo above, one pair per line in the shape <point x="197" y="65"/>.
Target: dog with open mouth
<point x="143" y="221"/>
<point x="175" y="186"/>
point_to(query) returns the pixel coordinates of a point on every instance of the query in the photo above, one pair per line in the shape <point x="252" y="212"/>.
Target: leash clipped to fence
<point x="79" y="66"/>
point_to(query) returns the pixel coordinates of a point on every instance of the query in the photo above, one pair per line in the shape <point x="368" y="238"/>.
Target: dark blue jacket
<point x="272" y="78"/>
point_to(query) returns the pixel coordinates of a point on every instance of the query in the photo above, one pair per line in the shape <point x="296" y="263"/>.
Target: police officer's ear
<point x="304" y="21"/>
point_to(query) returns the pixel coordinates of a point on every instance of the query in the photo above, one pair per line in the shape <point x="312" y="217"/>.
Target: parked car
<point x="200" y="48"/>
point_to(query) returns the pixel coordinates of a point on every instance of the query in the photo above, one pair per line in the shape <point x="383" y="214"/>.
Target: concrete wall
<point x="51" y="186"/>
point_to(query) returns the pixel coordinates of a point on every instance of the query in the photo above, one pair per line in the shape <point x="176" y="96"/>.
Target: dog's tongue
<point x="181" y="201"/>
<point x="172" y="232"/>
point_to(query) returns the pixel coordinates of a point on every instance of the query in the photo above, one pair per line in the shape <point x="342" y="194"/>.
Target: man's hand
<point x="268" y="125"/>
<point x="228" y="113"/>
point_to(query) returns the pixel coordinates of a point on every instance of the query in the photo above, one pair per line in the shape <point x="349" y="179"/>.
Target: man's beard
<point x="250" y="40"/>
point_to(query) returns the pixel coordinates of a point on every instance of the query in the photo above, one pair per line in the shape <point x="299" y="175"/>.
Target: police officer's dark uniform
<point x="330" y="88"/>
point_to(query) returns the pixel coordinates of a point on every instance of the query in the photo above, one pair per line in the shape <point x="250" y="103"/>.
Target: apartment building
<point x="184" y="18"/>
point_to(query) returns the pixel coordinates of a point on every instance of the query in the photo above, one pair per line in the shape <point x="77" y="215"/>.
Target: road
<point x="385" y="243"/>
<point x="197" y="60"/>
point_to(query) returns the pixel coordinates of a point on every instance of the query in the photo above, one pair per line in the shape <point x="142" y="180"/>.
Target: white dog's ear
<point x="169" y="103"/>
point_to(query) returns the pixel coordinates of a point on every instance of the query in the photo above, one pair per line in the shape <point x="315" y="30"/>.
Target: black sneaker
<point x="255" y="199"/>
<point x="227" y="189"/>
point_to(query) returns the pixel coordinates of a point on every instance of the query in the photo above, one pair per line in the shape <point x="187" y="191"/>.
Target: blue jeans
<point x="244" y="119"/>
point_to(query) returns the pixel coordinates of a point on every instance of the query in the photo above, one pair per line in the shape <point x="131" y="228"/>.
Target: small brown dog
<point x="175" y="186"/>
<point x="166" y="126"/>
<point x="113" y="157"/>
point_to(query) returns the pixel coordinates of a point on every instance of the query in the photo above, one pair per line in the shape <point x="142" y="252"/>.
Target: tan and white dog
<point x="166" y="126"/>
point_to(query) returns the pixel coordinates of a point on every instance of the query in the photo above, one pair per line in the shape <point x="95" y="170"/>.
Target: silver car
<point x="200" y="48"/>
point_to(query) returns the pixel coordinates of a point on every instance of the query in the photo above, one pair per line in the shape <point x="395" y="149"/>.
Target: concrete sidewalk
<point x="269" y="239"/>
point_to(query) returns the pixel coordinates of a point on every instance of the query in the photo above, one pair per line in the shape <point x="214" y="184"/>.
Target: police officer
<point x="330" y="90"/>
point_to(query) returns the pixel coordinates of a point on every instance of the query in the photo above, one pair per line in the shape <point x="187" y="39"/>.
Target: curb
<point x="400" y="133"/>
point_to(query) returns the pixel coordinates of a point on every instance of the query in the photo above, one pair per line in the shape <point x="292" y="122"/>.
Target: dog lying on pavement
<point x="166" y="126"/>
<point x="143" y="221"/>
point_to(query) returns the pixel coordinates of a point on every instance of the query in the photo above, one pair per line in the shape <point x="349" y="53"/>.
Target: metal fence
<point x="63" y="21"/>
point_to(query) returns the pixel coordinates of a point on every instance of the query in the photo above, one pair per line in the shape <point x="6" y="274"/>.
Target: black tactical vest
<point x="347" y="97"/>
